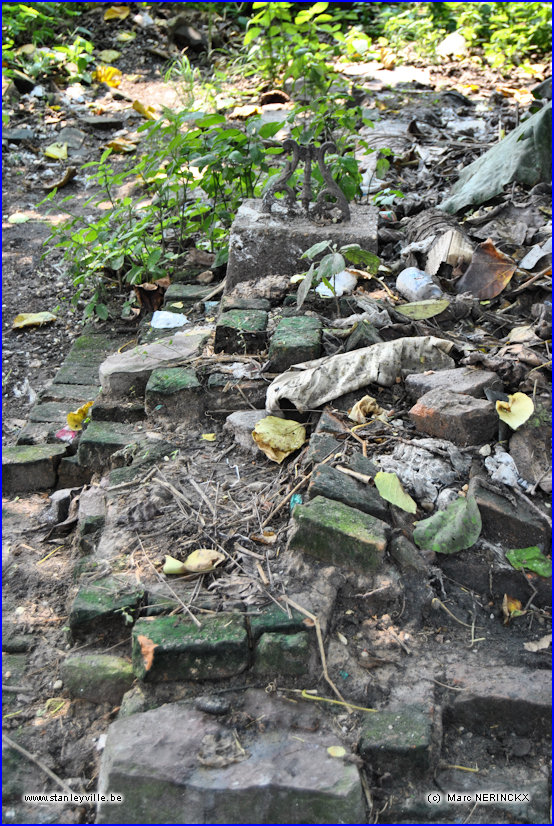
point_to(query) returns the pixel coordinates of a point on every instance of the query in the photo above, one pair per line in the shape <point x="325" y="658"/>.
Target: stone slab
<point x="71" y="474"/>
<point x="30" y="467"/>
<point x="295" y="340"/>
<point x="55" y="412"/>
<point x="515" y="699"/>
<point x="174" y="393"/>
<point x="174" y="648"/>
<point x="186" y="293"/>
<point x="117" y="410"/>
<point x="126" y="374"/>
<point x="232" y="303"/>
<point x="468" y="380"/>
<point x="335" y="533"/>
<point x="38" y="433"/>
<point x="98" y="678"/>
<point x="61" y="392"/>
<point x="331" y="483"/>
<point x="160" y="761"/>
<point x="460" y="418"/>
<point x="261" y="244"/>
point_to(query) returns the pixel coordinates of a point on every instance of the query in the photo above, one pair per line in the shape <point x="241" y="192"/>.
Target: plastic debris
<point x="164" y="320"/>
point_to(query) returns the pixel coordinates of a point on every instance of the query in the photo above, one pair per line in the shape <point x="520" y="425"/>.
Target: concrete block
<point x="174" y="393"/>
<point x="514" y="699"/>
<point x="241" y="331"/>
<point x="174" y="648"/>
<point x="335" y="533"/>
<point x="241" y="424"/>
<point x="456" y="417"/>
<point x="407" y="739"/>
<point x="126" y="374"/>
<point x="331" y="483"/>
<point x="261" y="244"/>
<point x="468" y="380"/>
<point x="98" y="678"/>
<point x="295" y="340"/>
<point x="30" y="467"/>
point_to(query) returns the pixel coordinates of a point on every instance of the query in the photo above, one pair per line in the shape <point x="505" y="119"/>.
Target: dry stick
<point x="203" y="496"/>
<point x="37" y="762"/>
<point x="361" y="477"/>
<point x="315" y="621"/>
<point x="168" y="586"/>
<point x="295" y="488"/>
<point x="533" y="507"/>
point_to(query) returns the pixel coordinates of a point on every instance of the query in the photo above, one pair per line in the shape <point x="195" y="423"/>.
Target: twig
<point x="295" y="488"/>
<point x="319" y="635"/>
<point x="61" y="783"/>
<point x="168" y="586"/>
<point x="533" y="507"/>
<point x="20" y="689"/>
<point x="203" y="496"/>
<point x="449" y="612"/>
<point x="361" y="477"/>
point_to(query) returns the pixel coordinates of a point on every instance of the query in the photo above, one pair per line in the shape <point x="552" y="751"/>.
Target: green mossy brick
<point x="174" y="648"/>
<point x="337" y="534"/>
<point x="102" y="605"/>
<point x="187" y="293"/>
<point x="174" y="392"/>
<point x="27" y="468"/>
<point x="295" y="340"/>
<point x="273" y="620"/>
<point x="100" y="440"/>
<point x="331" y="483"/>
<point x="98" y="678"/>
<point x="282" y="654"/>
<point x="229" y="303"/>
<point x="241" y="331"/>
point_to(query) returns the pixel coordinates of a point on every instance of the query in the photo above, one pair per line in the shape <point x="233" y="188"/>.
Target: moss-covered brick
<point x="102" y="604"/>
<point x="117" y="410"/>
<point x="186" y="293"/>
<point x="241" y="331"/>
<point x="364" y="334"/>
<point x="294" y="340"/>
<point x="71" y="474"/>
<point x="273" y="620"/>
<point x="99" y="678"/>
<point x="230" y="303"/>
<point x="52" y="412"/>
<point x="77" y="394"/>
<point x="174" y="393"/>
<point x="174" y="648"/>
<point x="282" y="654"/>
<point x="338" y="534"/>
<point x="100" y="440"/>
<point x="83" y="360"/>
<point x="404" y="738"/>
<point x="329" y="482"/>
<point x="142" y="455"/>
<point x="30" y="467"/>
<point x="38" y="433"/>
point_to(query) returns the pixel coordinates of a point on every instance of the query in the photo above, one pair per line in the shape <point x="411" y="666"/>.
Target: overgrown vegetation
<point x="195" y="167"/>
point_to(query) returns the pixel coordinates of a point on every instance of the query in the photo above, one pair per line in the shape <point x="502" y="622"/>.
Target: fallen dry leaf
<point x="539" y="645"/>
<point x="147" y="650"/>
<point x="68" y="176"/>
<point x="32" y="320"/>
<point x="117" y="13"/>
<point x="366" y="409"/>
<point x="488" y="273"/>
<point x="147" y="112"/>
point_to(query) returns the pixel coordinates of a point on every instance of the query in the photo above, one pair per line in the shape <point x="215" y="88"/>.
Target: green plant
<point x="189" y="182"/>
<point x="331" y="265"/>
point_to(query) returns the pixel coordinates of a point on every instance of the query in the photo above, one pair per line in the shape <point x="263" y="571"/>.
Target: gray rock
<point x="241" y="424"/>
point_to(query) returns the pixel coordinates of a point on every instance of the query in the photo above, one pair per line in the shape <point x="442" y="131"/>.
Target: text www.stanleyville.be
<point x="74" y="798"/>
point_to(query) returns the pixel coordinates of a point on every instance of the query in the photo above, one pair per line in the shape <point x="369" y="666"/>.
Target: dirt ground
<point x="38" y="573"/>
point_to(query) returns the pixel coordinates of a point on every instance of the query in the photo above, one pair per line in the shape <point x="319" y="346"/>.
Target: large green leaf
<point x="532" y="559"/>
<point x="315" y="249"/>
<point x="330" y="265"/>
<point x="304" y="287"/>
<point x="450" y="530"/>
<point x="355" y="254"/>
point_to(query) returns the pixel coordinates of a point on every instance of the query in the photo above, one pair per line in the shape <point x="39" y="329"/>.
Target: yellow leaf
<point x="147" y="112"/>
<point x="108" y="55"/>
<point x="208" y="437"/>
<point x="125" y="37"/>
<point x="516" y="410"/>
<point x="244" y="112"/>
<point x="76" y="418"/>
<point x="173" y="567"/>
<point x="121" y="145"/>
<point x="278" y="438"/>
<point x="203" y="561"/>
<point x="266" y="538"/>
<point x="336" y="751"/>
<point x="58" y="151"/>
<point x="116" y="13"/>
<point x="32" y="320"/>
<point x="109" y="75"/>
